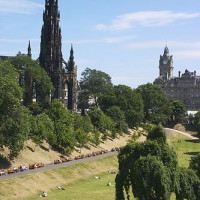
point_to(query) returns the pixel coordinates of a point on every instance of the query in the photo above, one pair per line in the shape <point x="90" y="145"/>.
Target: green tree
<point x="156" y="104"/>
<point x="33" y="79"/>
<point x="127" y="100"/>
<point x="43" y="129"/>
<point x="197" y="122"/>
<point x="149" y="179"/>
<point x="188" y="185"/>
<point x="157" y="133"/>
<point x="195" y="164"/>
<point x="93" y="83"/>
<point x="81" y="137"/>
<point x="178" y="110"/>
<point x="63" y="126"/>
<point x="158" y="164"/>
<point x="15" y="119"/>
<point x="95" y="137"/>
<point x="102" y="122"/>
<point x="82" y="122"/>
<point x="117" y="115"/>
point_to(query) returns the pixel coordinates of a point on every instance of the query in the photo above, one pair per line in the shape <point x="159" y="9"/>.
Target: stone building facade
<point x="63" y="74"/>
<point x="185" y="87"/>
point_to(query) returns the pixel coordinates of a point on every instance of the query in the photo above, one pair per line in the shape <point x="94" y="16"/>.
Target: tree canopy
<point x="178" y="110"/>
<point x="128" y="102"/>
<point x="156" y="104"/>
<point x="93" y="84"/>
<point x="15" y="118"/>
<point x="149" y="168"/>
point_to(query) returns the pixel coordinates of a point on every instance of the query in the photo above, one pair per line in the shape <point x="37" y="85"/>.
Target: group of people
<point x="21" y="168"/>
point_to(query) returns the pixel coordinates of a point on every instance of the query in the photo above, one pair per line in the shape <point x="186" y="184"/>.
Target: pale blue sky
<point x="122" y="38"/>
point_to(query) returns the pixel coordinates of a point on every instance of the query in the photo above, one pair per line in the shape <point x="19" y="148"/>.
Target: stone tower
<point x="50" y="51"/>
<point x="70" y="82"/>
<point x="51" y="58"/>
<point x="29" y="50"/>
<point x="166" y="65"/>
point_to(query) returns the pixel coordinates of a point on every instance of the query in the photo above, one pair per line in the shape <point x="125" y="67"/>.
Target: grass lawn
<point x="91" y="188"/>
<point x="185" y="148"/>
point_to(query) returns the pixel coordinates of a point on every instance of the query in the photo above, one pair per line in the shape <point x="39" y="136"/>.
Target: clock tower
<point x="166" y="65"/>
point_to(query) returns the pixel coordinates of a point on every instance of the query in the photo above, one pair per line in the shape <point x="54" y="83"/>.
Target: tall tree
<point x="127" y="100"/>
<point x="188" y="185"/>
<point x="156" y="104"/>
<point x="178" y="110"/>
<point x="15" y="119"/>
<point x="63" y="126"/>
<point x="34" y="80"/>
<point x="149" y="168"/>
<point x="93" y="84"/>
<point x="195" y="164"/>
<point x="118" y="117"/>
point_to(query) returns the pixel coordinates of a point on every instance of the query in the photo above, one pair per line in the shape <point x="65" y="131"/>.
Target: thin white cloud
<point x="188" y="54"/>
<point x="19" y="6"/>
<point x="161" y="43"/>
<point x="109" y="40"/>
<point x="145" y="19"/>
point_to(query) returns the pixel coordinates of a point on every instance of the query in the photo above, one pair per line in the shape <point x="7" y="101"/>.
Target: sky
<point x="122" y="38"/>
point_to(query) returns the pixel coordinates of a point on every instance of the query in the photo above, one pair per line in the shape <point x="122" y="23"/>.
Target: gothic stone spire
<point x="71" y="63"/>
<point x="29" y="49"/>
<point x="50" y="51"/>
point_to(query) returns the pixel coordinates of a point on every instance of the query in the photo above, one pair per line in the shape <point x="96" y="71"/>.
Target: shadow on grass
<point x="44" y="148"/>
<point x="192" y="153"/>
<point x="30" y="148"/>
<point x="4" y="162"/>
<point x="193" y="141"/>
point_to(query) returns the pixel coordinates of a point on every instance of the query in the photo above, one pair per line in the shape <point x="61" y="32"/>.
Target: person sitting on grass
<point x="44" y="194"/>
<point x="109" y="184"/>
<point x="61" y="188"/>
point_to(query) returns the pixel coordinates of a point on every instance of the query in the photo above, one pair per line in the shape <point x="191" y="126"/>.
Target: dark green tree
<point x="178" y="110"/>
<point x="102" y="122"/>
<point x="127" y="100"/>
<point x="63" y="126"/>
<point x="93" y="83"/>
<point x="149" y="179"/>
<point x="43" y="129"/>
<point x="81" y="137"/>
<point x="157" y="133"/>
<point x="156" y="104"/>
<point x="117" y="115"/>
<point x="197" y="122"/>
<point x="15" y="119"/>
<point x="158" y="164"/>
<point x="188" y="185"/>
<point x="82" y="122"/>
<point x="33" y="79"/>
<point x="195" y="164"/>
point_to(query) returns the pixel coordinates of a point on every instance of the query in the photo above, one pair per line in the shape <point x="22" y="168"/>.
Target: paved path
<point x="168" y="132"/>
<point x="54" y="166"/>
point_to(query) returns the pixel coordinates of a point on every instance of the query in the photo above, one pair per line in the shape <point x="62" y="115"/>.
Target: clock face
<point x="165" y="62"/>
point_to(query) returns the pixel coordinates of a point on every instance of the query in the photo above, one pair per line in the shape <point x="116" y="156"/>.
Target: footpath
<point x="55" y="166"/>
<point x="168" y="130"/>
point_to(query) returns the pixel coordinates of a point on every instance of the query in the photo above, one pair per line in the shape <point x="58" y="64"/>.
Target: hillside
<point x="43" y="153"/>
